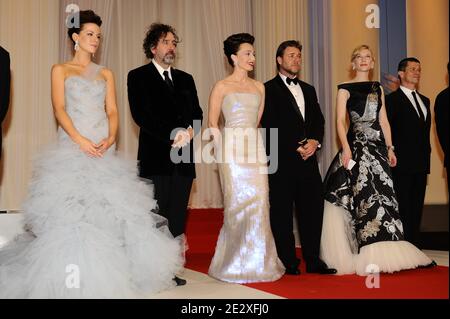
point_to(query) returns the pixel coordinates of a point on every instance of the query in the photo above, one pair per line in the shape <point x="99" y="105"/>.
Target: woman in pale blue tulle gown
<point x="90" y="232"/>
<point x="245" y="250"/>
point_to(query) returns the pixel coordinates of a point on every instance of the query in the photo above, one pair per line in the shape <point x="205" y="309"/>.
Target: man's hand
<point x="307" y="150"/>
<point x="182" y="138"/>
<point x="191" y="133"/>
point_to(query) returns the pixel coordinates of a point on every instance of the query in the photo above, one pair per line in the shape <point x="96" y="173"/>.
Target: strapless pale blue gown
<point x="90" y="230"/>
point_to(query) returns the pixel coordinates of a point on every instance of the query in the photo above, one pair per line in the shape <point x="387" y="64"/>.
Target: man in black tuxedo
<point x="163" y="100"/>
<point x="5" y="85"/>
<point x="442" y="117"/>
<point x="410" y="119"/>
<point x="292" y="108"/>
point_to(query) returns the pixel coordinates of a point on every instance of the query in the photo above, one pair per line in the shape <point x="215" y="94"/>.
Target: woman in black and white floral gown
<point x="362" y="231"/>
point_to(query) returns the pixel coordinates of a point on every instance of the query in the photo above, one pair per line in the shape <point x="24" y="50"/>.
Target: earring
<point x="77" y="46"/>
<point x="353" y="67"/>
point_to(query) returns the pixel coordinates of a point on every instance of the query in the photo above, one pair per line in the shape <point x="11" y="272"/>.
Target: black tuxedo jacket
<point x="158" y="111"/>
<point x="410" y="135"/>
<point x="442" y="118"/>
<point x="5" y="85"/>
<point x="281" y="112"/>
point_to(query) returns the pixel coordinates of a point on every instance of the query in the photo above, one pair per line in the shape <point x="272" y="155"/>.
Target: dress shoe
<point x="322" y="271"/>
<point x="292" y="271"/>
<point x="318" y="266"/>
<point x="179" y="281"/>
<point x="430" y="265"/>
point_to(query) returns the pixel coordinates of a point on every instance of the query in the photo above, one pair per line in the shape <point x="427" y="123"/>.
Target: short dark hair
<point x="155" y="32"/>
<point x="283" y="46"/>
<point x="404" y="63"/>
<point x="86" y="16"/>
<point x="233" y="42"/>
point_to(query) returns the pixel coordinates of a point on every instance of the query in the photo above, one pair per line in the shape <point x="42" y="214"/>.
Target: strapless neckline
<point x="78" y="76"/>
<point x="242" y="93"/>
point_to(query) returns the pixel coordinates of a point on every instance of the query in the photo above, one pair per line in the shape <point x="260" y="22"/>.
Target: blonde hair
<point x="359" y="49"/>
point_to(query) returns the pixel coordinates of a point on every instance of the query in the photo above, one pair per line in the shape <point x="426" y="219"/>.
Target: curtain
<point x="29" y="30"/>
<point x="202" y="26"/>
<point x="275" y="21"/>
<point x="321" y="55"/>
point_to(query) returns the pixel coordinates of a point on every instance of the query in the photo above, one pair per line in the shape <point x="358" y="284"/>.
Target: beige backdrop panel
<point x="349" y="30"/>
<point x="427" y="29"/>
<point x="276" y="21"/>
<point x="202" y="25"/>
<point x="29" y="30"/>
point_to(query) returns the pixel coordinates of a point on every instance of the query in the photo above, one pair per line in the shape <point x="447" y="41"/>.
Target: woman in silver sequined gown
<point x="245" y="250"/>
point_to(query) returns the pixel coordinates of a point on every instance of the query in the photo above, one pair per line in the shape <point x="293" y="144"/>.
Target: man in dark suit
<point x="5" y="85"/>
<point x="291" y="107"/>
<point x="164" y="104"/>
<point x="442" y="117"/>
<point x="410" y="119"/>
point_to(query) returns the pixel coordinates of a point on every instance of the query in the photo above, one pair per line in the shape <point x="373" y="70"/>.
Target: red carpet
<point x="202" y="232"/>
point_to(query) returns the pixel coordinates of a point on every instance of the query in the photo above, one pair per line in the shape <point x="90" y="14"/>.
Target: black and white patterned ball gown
<point x="91" y="233"/>
<point x="362" y="231"/>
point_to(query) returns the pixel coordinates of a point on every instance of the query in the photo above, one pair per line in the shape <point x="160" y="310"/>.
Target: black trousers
<point x="303" y="190"/>
<point x="172" y="194"/>
<point x="410" y="192"/>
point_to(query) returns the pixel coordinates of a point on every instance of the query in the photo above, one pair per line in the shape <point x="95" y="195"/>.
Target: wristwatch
<point x="390" y="147"/>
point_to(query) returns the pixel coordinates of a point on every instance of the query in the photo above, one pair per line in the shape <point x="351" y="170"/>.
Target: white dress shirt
<point x="297" y="92"/>
<point x="408" y="93"/>
<point x="161" y="70"/>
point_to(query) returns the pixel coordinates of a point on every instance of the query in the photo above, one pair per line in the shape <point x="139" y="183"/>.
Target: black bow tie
<point x="294" y="80"/>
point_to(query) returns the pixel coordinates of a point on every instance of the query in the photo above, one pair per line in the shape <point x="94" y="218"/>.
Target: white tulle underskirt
<point x="338" y="248"/>
<point x="91" y="233"/>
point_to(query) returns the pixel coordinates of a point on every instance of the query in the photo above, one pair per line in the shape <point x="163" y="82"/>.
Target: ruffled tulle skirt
<point x="90" y="233"/>
<point x="339" y="249"/>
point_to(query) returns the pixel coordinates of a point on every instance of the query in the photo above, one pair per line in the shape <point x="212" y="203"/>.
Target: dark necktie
<point x="419" y="109"/>
<point x="168" y="80"/>
<point x="289" y="80"/>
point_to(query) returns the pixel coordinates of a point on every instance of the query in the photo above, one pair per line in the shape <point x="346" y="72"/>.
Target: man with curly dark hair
<point x="163" y="100"/>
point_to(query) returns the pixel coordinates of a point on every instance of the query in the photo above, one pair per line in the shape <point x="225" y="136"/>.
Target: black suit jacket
<point x="410" y="135"/>
<point x="281" y="112"/>
<point x="5" y="85"/>
<point x="158" y="111"/>
<point x="442" y="118"/>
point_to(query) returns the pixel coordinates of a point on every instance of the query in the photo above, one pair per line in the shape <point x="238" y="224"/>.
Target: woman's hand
<point x="346" y="156"/>
<point x="392" y="158"/>
<point x="105" y="144"/>
<point x="88" y="147"/>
